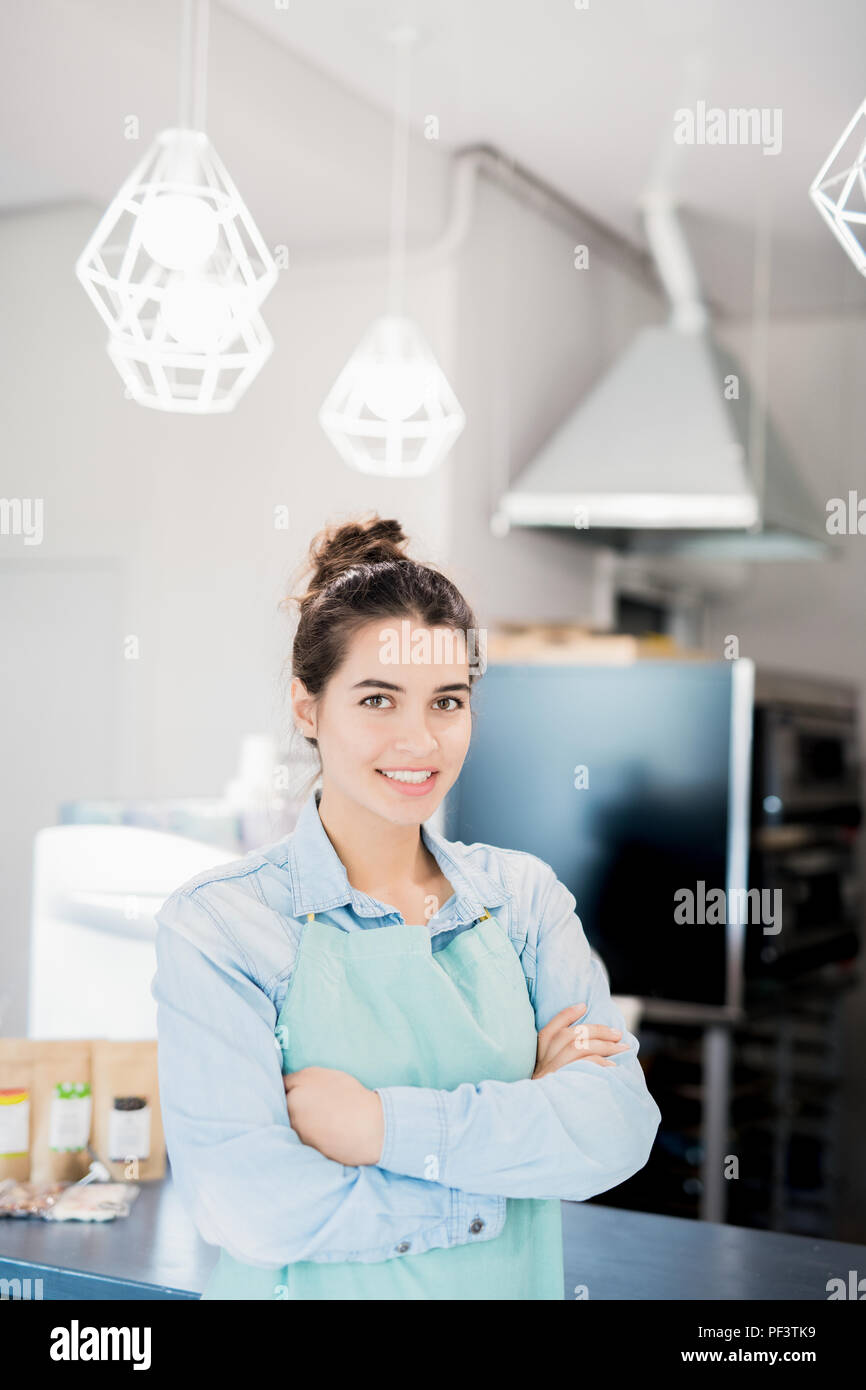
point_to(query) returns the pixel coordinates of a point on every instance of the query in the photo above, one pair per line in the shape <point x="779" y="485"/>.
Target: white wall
<point x="809" y="616"/>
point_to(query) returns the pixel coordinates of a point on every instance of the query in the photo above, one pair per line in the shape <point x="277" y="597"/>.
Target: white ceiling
<point x="583" y="98"/>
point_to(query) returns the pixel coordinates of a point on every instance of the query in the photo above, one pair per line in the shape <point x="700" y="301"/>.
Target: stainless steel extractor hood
<point x="667" y="453"/>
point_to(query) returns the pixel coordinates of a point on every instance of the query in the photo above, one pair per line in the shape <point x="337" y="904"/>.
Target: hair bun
<point x="337" y="548"/>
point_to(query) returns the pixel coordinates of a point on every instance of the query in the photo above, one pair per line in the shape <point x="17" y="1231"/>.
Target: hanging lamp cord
<point x="402" y="40"/>
<point x="194" y="29"/>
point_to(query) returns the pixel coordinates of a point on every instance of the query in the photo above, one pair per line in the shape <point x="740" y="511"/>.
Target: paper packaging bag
<point x="16" y="1103"/>
<point x="127" y="1123"/>
<point x="61" y="1119"/>
<point x="45" y="1109"/>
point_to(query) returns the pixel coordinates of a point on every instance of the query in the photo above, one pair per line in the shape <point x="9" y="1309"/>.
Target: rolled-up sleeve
<point x="570" y="1134"/>
<point x="248" y="1182"/>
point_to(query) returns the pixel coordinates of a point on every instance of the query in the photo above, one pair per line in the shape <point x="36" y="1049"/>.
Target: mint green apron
<point x="381" y="1005"/>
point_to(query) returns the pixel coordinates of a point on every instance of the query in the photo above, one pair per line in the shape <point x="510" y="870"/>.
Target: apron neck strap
<point x="311" y="916"/>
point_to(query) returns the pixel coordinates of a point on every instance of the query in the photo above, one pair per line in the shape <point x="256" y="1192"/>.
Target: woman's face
<point x="399" y="703"/>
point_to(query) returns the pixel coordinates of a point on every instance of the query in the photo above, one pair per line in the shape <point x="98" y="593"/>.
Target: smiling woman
<point x="436" y="1100"/>
<point x="389" y="717"/>
<point x="392" y="726"/>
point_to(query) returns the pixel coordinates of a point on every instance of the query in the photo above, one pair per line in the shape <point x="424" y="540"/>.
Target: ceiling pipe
<point x="675" y="266"/>
<point x="435" y="253"/>
<point x="467" y="164"/>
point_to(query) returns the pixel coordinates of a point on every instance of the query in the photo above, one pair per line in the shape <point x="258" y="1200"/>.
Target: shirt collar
<point x="319" y="879"/>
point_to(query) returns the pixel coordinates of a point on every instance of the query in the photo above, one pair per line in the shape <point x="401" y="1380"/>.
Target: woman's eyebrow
<point x="387" y="685"/>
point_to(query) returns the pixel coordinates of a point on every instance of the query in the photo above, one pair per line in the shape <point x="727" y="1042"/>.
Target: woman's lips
<point x="410" y="788"/>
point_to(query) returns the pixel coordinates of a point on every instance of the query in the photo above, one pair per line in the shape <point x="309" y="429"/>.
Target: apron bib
<point x="383" y="1006"/>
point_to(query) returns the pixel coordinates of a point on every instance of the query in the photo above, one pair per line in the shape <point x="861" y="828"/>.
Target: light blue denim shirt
<point x="226" y="945"/>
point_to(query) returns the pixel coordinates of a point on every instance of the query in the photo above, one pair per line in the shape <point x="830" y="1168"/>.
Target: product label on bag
<point x="129" y="1129"/>
<point x="69" y="1127"/>
<point x="14" y="1123"/>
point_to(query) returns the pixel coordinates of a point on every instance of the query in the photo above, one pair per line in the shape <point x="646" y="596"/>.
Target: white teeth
<point x="418" y="777"/>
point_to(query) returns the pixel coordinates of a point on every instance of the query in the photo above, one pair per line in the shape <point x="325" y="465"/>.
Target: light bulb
<point x="197" y="314"/>
<point x="178" y="231"/>
<point x="395" y="390"/>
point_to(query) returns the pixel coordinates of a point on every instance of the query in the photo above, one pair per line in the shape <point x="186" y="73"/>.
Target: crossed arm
<point x="580" y="1125"/>
<point x="333" y="1112"/>
<point x="235" y="1129"/>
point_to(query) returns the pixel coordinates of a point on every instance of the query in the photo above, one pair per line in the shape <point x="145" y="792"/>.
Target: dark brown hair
<point x="360" y="573"/>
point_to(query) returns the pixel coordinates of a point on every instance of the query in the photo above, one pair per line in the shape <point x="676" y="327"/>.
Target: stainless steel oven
<point x="806" y="814"/>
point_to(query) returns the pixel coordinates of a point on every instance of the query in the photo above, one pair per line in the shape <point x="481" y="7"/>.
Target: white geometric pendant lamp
<point x="177" y="269"/>
<point x="839" y="189"/>
<point x="391" y="410"/>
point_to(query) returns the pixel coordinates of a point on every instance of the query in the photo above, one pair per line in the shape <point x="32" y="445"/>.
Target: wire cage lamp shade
<point x="177" y="269"/>
<point x="167" y="376"/>
<point x="391" y="410"/>
<point x="839" y="189"/>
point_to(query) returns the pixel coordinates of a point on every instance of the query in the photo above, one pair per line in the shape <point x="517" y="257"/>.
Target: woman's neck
<point x="377" y="855"/>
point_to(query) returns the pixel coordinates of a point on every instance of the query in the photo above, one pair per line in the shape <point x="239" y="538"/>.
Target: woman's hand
<point x="334" y="1113"/>
<point x="559" y="1044"/>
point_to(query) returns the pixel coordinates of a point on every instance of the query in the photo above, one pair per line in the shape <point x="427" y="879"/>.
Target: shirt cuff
<point x="415" y="1132"/>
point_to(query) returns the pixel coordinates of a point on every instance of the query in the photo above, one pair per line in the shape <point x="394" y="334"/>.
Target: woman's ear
<point x="303" y="707"/>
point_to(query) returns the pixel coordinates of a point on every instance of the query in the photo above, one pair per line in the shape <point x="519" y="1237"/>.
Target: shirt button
<point x="403" y="1247"/>
<point x="477" y="1225"/>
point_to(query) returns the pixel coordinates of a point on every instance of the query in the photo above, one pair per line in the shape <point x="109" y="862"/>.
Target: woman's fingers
<point x="567" y="1047"/>
<point x="547" y="1034"/>
<point x="562" y="1041"/>
<point x="595" y="1030"/>
<point x="579" y="1037"/>
<point x="594" y="1047"/>
<point x="563" y="1017"/>
<point x="562" y="1061"/>
<point x="603" y="1046"/>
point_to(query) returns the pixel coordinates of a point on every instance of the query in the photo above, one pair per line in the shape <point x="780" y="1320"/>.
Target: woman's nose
<point x="417" y="739"/>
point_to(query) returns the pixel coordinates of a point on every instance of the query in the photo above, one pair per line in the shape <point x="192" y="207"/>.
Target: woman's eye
<point x="443" y="700"/>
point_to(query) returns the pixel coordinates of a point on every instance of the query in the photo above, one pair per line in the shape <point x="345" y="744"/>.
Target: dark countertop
<point x="155" y="1253"/>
